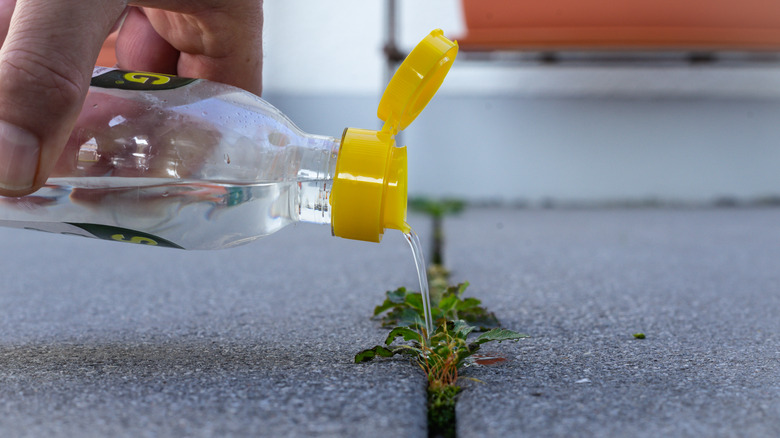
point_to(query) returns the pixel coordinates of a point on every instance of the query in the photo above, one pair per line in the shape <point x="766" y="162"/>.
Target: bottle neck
<point x="314" y="180"/>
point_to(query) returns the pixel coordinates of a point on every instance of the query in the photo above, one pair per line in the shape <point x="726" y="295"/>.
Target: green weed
<point x="437" y="209"/>
<point x="404" y="308"/>
<point x="441" y="357"/>
<point x="443" y="353"/>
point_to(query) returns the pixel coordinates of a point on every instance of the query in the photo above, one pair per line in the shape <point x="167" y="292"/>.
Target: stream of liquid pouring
<point x="419" y="260"/>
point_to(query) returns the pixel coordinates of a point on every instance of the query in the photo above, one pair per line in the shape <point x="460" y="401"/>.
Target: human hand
<point x="47" y="58"/>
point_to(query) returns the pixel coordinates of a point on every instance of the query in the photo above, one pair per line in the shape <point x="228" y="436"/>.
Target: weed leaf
<point x="448" y="303"/>
<point x="480" y="317"/>
<point x="461" y="329"/>
<point x="409" y="318"/>
<point x="394" y="298"/>
<point x="383" y="307"/>
<point x="414" y="301"/>
<point x="367" y="355"/>
<point x="499" y="335"/>
<point x="397" y="296"/>
<point x="407" y="333"/>
<point x="468" y="304"/>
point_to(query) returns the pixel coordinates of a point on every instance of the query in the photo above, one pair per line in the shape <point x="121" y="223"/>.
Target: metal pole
<point x="393" y="56"/>
<point x="391" y="42"/>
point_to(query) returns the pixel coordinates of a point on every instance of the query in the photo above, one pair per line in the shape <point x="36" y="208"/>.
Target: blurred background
<point x="547" y="122"/>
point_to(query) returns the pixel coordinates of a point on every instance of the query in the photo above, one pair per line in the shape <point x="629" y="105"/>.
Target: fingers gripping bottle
<point x="184" y="163"/>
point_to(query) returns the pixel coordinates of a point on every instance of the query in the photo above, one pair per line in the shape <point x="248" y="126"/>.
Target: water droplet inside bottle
<point x="227" y="159"/>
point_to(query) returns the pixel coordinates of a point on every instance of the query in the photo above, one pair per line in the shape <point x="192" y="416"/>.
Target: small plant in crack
<point x="437" y="209"/>
<point x="442" y="354"/>
<point x="405" y="308"/>
<point x="441" y="357"/>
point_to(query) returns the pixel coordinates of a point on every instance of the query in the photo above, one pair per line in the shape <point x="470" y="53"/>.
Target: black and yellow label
<point x="119" y="234"/>
<point x="137" y="80"/>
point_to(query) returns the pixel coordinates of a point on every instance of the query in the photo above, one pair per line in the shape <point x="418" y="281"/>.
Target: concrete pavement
<point x="108" y="339"/>
<point x="702" y="285"/>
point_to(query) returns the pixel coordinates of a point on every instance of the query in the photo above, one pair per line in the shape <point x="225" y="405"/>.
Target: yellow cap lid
<point x="369" y="189"/>
<point x="416" y="81"/>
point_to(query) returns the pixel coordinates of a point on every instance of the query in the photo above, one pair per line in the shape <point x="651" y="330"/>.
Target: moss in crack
<point x="441" y="411"/>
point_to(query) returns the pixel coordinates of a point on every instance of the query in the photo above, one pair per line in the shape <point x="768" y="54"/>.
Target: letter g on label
<point x="134" y="239"/>
<point x="147" y="78"/>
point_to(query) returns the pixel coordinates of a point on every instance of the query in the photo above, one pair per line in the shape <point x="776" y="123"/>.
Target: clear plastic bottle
<point x="193" y="164"/>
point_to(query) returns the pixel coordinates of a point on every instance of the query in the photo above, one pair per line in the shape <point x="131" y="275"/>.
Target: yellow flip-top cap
<point x="369" y="189"/>
<point x="416" y="81"/>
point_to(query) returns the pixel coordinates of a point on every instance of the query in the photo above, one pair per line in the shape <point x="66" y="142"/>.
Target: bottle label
<point x="103" y="77"/>
<point x="95" y="231"/>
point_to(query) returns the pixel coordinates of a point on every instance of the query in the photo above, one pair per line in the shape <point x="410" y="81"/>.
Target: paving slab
<point x="703" y="285"/>
<point x="106" y="339"/>
<point x="109" y="339"/>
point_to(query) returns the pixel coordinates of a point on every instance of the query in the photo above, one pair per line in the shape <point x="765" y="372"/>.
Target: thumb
<point x="45" y="66"/>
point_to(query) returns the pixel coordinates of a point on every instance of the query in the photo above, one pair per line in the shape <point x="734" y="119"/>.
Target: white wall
<point x="507" y="131"/>
<point x="334" y="46"/>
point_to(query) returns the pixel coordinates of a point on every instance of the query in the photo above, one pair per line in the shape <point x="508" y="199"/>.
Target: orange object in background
<point x="107" y="56"/>
<point x="621" y="24"/>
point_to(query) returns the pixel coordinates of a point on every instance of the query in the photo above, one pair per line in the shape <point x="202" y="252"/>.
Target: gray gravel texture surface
<point x="106" y="339"/>
<point x="103" y="339"/>
<point x="702" y="285"/>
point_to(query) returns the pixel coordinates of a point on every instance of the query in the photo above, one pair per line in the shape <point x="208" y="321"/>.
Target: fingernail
<point x="19" y="153"/>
